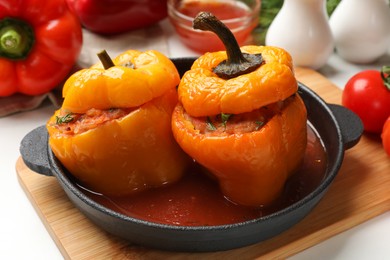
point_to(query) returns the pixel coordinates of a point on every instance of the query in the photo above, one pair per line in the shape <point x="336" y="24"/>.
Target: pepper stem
<point x="107" y="62"/>
<point x="385" y="74"/>
<point x="11" y="40"/>
<point x="105" y="59"/>
<point x="237" y="63"/>
<point x="16" y="38"/>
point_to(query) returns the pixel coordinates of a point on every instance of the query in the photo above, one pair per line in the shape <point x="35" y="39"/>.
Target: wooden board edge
<point x="287" y="250"/>
<point x="19" y="165"/>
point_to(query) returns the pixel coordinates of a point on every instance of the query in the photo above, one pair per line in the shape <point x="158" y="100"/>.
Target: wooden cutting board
<point x="359" y="192"/>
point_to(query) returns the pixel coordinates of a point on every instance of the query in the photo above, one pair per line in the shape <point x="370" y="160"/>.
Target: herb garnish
<point x="259" y="124"/>
<point x="225" y="118"/>
<point x="64" y="119"/>
<point x="210" y="125"/>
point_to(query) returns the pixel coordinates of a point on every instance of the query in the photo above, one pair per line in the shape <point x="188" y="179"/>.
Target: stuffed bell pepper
<point x="113" y="131"/>
<point x="239" y="115"/>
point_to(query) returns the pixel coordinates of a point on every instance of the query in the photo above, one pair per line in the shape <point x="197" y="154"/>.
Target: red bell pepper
<point x="39" y="44"/>
<point x="118" y="16"/>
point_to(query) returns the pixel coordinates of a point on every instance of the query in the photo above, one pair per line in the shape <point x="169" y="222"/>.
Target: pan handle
<point x="350" y="124"/>
<point x="34" y="151"/>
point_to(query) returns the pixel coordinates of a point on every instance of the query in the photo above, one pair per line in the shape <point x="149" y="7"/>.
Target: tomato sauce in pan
<point x="196" y="200"/>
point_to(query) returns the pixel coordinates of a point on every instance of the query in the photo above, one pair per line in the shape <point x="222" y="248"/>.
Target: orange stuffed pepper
<point x="240" y="116"/>
<point x="113" y="131"/>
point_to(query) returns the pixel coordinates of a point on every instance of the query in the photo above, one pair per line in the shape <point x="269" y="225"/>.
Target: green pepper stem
<point x="237" y="63"/>
<point x="16" y="38"/>
<point x="11" y="40"/>
<point x="385" y="74"/>
<point x="105" y="59"/>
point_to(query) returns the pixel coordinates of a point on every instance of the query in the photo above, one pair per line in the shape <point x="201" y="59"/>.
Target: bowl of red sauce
<point x="241" y="17"/>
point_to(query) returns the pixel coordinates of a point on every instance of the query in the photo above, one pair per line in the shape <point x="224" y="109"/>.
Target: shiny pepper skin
<point x="251" y="168"/>
<point x="40" y="42"/>
<point x="135" y="152"/>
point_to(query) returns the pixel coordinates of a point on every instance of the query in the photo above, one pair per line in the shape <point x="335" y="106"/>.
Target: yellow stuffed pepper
<point x="240" y="116"/>
<point x="113" y="131"/>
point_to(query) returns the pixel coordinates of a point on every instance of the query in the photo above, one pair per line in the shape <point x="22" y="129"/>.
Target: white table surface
<point x="23" y="235"/>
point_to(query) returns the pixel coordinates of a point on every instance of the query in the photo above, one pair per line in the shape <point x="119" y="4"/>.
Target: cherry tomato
<point x="386" y="136"/>
<point x="368" y="95"/>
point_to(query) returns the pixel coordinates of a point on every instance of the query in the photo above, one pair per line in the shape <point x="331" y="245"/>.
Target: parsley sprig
<point x="64" y="119"/>
<point x="210" y="125"/>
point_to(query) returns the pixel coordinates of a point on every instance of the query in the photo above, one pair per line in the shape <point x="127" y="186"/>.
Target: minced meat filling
<point x="237" y="123"/>
<point x="72" y="124"/>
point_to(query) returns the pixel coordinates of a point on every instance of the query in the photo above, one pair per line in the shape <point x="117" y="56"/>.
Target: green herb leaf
<point x="225" y="118"/>
<point x="64" y="119"/>
<point x="259" y="124"/>
<point x="331" y="6"/>
<point x="385" y="74"/>
<point x="210" y="125"/>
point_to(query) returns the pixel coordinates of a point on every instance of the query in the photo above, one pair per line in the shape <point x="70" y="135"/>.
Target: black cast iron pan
<point x="338" y="127"/>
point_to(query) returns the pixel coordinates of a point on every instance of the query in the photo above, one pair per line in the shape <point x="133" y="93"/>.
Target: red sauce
<point x="196" y="200"/>
<point x="202" y="41"/>
<point x="222" y="10"/>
